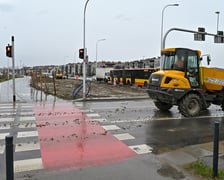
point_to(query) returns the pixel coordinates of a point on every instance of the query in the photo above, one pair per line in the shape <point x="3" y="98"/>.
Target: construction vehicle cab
<point x="181" y="62"/>
<point x="182" y="81"/>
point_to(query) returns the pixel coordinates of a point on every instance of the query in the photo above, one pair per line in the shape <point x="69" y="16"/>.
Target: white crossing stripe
<point x="2" y="149"/>
<point x="27" y="134"/>
<point x="6" y="107"/>
<point x="28" y="165"/>
<point x="3" y="135"/>
<point x="79" y="104"/>
<point x="27" y="125"/>
<point x="100" y="120"/>
<point x="87" y="111"/>
<point x="93" y="115"/>
<point x="8" y="114"/>
<point x="141" y="149"/>
<point x="110" y="127"/>
<point x="27" y="106"/>
<point x="29" y="118"/>
<point x="27" y="147"/>
<point x="7" y="119"/>
<point x="27" y="113"/>
<point x="6" y="126"/>
<point x="8" y="110"/>
<point x="124" y="136"/>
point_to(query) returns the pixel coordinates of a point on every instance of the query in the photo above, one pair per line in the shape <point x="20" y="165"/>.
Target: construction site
<point x="64" y="88"/>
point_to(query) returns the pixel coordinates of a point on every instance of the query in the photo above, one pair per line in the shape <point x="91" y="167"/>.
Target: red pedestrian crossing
<point x="71" y="139"/>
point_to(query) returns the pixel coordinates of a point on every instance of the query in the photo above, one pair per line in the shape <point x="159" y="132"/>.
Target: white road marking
<point x="6" y="107"/>
<point x="79" y="104"/>
<point x="8" y="114"/>
<point x="2" y="149"/>
<point x="7" y="126"/>
<point x="27" y="106"/>
<point x="27" y="147"/>
<point x="124" y="136"/>
<point x="3" y="135"/>
<point x="100" y="120"/>
<point x="27" y="114"/>
<point x="141" y="149"/>
<point x="28" y="125"/>
<point x="110" y="127"/>
<point x="28" y="165"/>
<point x="6" y="119"/>
<point x="93" y="115"/>
<point x="27" y="134"/>
<point x="29" y="118"/>
<point x="87" y="111"/>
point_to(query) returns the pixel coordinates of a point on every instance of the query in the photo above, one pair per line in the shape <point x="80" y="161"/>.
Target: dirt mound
<point x="64" y="89"/>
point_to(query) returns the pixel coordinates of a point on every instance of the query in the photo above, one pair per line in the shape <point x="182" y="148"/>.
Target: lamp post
<point x="217" y="12"/>
<point x="85" y="53"/>
<point x="162" y="21"/>
<point x="97" y="48"/>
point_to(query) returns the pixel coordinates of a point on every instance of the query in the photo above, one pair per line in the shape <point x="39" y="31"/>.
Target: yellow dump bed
<point x="212" y="78"/>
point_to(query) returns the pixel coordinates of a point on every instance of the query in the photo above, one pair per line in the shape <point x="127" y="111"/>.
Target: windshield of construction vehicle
<point x="173" y="62"/>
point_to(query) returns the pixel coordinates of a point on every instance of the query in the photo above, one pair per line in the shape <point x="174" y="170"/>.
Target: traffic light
<point x="81" y="53"/>
<point x="218" y="38"/>
<point x="201" y="35"/>
<point x="9" y="51"/>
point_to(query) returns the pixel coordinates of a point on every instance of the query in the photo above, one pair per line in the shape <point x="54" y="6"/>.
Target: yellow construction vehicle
<point x="184" y="82"/>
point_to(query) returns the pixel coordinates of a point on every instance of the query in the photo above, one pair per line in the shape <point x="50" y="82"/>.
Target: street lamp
<point x="97" y="48"/>
<point x="85" y="53"/>
<point x="162" y="21"/>
<point x="217" y="12"/>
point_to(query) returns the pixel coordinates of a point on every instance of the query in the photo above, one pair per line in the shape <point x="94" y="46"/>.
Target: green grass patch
<point x="204" y="171"/>
<point x="2" y="79"/>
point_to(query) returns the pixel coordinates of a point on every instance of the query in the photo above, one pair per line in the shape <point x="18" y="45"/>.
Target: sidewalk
<point x="189" y="154"/>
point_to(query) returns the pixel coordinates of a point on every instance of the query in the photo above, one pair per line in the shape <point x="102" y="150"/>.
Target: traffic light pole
<point x="13" y="70"/>
<point x="85" y="52"/>
<point x="189" y="31"/>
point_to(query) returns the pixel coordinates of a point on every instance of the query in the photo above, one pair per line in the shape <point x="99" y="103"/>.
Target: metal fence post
<point x="9" y="158"/>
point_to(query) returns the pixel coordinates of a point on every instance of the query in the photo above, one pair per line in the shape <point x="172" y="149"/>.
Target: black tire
<point x="163" y="106"/>
<point x="190" y="105"/>
<point x="206" y="106"/>
<point x="145" y="84"/>
<point x="222" y="105"/>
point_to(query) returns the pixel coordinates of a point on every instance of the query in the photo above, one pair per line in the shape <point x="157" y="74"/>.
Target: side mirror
<point x="208" y="60"/>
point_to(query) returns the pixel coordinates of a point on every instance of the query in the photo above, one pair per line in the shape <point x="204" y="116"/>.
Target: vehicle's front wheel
<point x="190" y="105"/>
<point x="222" y="105"/>
<point x="163" y="106"/>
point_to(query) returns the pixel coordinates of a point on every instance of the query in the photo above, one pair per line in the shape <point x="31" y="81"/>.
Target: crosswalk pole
<point x="9" y="158"/>
<point x="215" y="151"/>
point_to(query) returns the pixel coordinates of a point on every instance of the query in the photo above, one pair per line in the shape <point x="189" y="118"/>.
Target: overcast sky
<point x="51" y="31"/>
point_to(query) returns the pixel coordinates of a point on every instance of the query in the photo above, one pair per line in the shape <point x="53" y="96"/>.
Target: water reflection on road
<point x="24" y="92"/>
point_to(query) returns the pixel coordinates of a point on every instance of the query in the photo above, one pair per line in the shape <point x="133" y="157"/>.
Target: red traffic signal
<point x="81" y="53"/>
<point x="9" y="51"/>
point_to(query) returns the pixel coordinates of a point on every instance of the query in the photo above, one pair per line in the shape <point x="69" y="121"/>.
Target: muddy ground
<point x="64" y="89"/>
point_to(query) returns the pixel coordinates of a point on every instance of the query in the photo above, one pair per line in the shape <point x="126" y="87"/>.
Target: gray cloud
<point x="122" y="17"/>
<point x="5" y="7"/>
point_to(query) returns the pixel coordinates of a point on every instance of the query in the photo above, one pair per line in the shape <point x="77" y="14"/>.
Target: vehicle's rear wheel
<point x="163" y="106"/>
<point x="190" y="105"/>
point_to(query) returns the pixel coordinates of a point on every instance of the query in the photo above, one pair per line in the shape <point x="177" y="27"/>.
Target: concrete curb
<point x="111" y="98"/>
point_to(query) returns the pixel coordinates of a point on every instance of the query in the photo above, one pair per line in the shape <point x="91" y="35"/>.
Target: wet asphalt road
<point x="138" y="118"/>
<point x="161" y="131"/>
